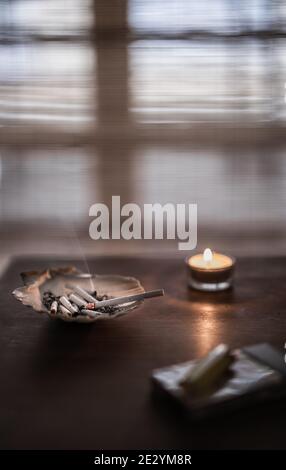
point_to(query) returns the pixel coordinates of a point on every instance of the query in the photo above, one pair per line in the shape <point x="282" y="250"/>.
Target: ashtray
<point x="59" y="293"/>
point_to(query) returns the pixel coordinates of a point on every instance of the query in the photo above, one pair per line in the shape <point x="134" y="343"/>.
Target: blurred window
<point x="44" y="17"/>
<point x="220" y="16"/>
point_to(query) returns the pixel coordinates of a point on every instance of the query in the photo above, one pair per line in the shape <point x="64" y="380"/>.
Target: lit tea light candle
<point x="210" y="271"/>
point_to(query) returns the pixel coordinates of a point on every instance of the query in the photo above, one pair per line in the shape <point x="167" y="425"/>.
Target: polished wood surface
<point x="88" y="386"/>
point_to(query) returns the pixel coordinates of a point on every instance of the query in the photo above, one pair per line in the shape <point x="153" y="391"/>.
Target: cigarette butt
<point x="91" y="313"/>
<point x="208" y="370"/>
<point x="75" y="307"/>
<point x="66" y="303"/>
<point x="85" y="295"/>
<point x="54" y="307"/>
<point x="65" y="311"/>
<point x="77" y="300"/>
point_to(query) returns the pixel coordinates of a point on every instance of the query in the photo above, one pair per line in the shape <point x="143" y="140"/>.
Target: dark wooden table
<point x="87" y="386"/>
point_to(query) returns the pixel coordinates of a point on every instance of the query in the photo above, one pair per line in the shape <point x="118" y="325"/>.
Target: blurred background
<point x="178" y="101"/>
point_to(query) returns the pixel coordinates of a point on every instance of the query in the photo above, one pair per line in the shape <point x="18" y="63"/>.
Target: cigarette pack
<point x="257" y="375"/>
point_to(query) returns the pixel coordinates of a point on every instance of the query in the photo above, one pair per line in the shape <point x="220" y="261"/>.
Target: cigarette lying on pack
<point x="66" y="303"/>
<point x="208" y="370"/>
<point x="126" y="299"/>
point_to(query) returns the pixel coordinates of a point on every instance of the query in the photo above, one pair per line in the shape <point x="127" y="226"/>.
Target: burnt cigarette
<point x="85" y="295"/>
<point x="90" y="306"/>
<point x="66" y="303"/>
<point x="77" y="300"/>
<point x="90" y="313"/>
<point x="127" y="299"/>
<point x="65" y="311"/>
<point x="54" y="307"/>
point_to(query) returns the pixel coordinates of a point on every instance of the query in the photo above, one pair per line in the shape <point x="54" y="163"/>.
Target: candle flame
<point x="208" y="255"/>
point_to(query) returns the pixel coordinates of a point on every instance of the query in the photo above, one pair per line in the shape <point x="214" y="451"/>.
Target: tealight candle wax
<point x="210" y="271"/>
